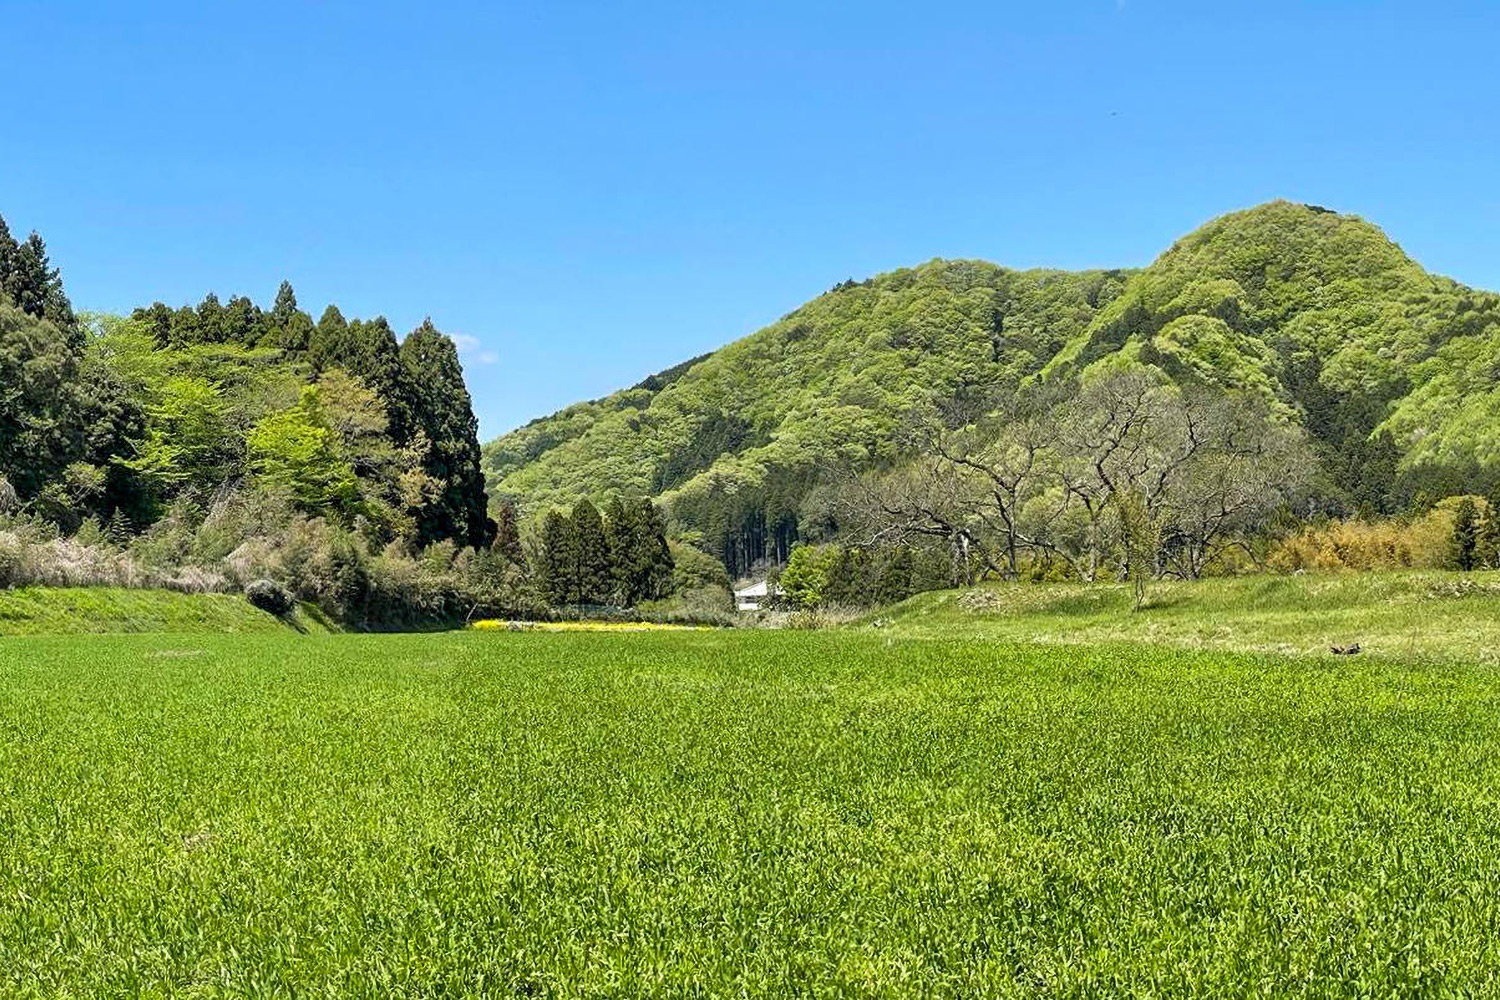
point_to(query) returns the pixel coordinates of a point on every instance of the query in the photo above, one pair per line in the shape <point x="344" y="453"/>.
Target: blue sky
<point x="584" y="194"/>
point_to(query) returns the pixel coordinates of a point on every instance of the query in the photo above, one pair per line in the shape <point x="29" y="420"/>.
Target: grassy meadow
<point x="1405" y="615"/>
<point x="768" y="814"/>
<point x="116" y="610"/>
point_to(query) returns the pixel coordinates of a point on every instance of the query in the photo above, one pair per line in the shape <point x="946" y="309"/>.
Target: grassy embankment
<point x="1403" y="615"/>
<point x="113" y="610"/>
<point x="738" y="814"/>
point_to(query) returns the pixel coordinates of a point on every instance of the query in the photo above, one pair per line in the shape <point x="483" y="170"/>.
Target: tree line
<point x="1121" y="471"/>
<point x="1475" y="543"/>
<point x="118" y="418"/>
<point x="618" y="558"/>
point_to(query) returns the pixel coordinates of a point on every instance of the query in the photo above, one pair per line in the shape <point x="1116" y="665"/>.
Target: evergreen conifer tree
<point x="508" y="534"/>
<point x="34" y="286"/>
<point x="620" y="534"/>
<point x="590" y="554"/>
<point x="8" y="248"/>
<point x="157" y="320"/>
<point x="118" y="530"/>
<point x="211" y="320"/>
<point x="285" y="304"/>
<point x="654" y="555"/>
<point x="329" y="341"/>
<point x="287" y="326"/>
<point x="242" y="322"/>
<point x="1488" y="546"/>
<point x="444" y="412"/>
<point x="185" y="331"/>
<point x="1465" y="536"/>
<point x="558" y="578"/>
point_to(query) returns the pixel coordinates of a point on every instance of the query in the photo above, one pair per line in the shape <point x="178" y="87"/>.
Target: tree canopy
<point x="1393" y="373"/>
<point x="118" y="418"/>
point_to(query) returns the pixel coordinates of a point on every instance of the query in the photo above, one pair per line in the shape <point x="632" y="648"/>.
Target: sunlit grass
<point x="738" y="814"/>
<point x="113" y="610"/>
<point x="1413" y="614"/>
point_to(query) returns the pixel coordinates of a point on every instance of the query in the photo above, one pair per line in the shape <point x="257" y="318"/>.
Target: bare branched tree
<point x="1161" y="477"/>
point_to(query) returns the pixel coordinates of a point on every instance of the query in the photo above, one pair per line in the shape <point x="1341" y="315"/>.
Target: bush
<point x="12" y="561"/>
<point x="807" y="619"/>
<point x="1423" y="543"/>
<point x="270" y="597"/>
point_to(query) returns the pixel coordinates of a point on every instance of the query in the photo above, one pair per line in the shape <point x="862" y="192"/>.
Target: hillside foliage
<point x="202" y="446"/>
<point x="1312" y="318"/>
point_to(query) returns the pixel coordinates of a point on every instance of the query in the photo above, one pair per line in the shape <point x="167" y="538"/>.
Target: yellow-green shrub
<point x="1422" y="543"/>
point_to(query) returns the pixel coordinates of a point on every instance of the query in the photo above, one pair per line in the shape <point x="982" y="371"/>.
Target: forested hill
<point x="174" y="417"/>
<point x="734" y="442"/>
<point x="1395" y="374"/>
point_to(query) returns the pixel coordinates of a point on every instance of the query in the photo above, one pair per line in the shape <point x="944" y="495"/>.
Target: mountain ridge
<point x="1392" y="370"/>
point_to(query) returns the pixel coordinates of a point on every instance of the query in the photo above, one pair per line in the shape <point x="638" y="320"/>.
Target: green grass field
<point x="739" y="814"/>
<point x="1407" y="615"/>
<point x="113" y="610"/>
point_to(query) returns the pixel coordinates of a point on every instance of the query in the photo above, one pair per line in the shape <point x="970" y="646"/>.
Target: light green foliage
<point x="1394" y="373"/>
<point x="186" y="436"/>
<point x="738" y="814"/>
<point x="805" y="579"/>
<point x="695" y="570"/>
<point x="296" y="451"/>
<point x="827" y="383"/>
<point x="1322" y="313"/>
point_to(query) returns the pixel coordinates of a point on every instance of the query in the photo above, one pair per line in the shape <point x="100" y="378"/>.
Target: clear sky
<point x="586" y="193"/>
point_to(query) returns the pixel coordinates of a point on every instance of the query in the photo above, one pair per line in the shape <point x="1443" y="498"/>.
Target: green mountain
<point x="1394" y="372"/>
<point x="734" y="441"/>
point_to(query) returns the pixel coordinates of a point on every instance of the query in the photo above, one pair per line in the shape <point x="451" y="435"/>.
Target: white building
<point x="752" y="597"/>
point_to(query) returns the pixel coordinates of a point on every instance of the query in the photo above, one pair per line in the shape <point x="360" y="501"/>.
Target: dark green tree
<point x="557" y="568"/>
<point x="641" y="562"/>
<point x="185" y="328"/>
<point x="157" y="320"/>
<point x="40" y="430"/>
<point x="329" y="342"/>
<point x="287" y="326"/>
<point x="8" y="248"/>
<point x="590" y="551"/>
<point x="33" y="285"/>
<point x="620" y="537"/>
<point x="242" y="322"/>
<point x="1489" y="531"/>
<point x="1465" y="540"/>
<point x="508" y="534"/>
<point x="894" y="580"/>
<point x="443" y="412"/>
<point x="653" y="552"/>
<point x="211" y="320"/>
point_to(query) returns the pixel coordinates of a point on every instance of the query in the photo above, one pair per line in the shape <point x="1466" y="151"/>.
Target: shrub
<point x="1370" y="545"/>
<point x="270" y="597"/>
<point x="806" y="619"/>
<point x="12" y="561"/>
<point x="805" y="579"/>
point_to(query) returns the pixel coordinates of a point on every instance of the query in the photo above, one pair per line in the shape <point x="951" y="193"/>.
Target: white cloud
<point x="473" y="350"/>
